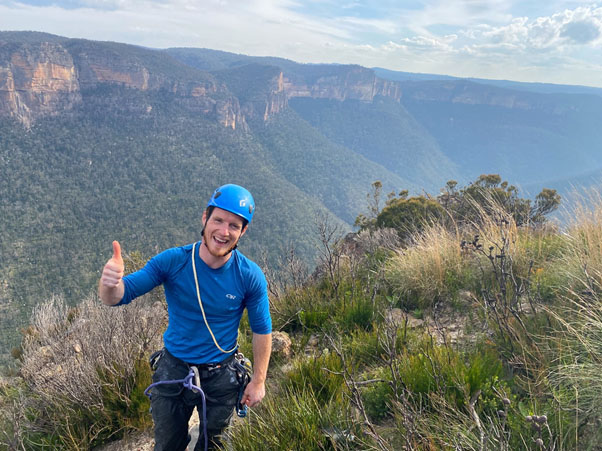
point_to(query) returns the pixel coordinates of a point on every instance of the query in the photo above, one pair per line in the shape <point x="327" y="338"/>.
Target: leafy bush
<point x="378" y="396"/>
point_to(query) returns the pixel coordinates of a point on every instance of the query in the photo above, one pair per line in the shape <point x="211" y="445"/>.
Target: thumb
<point x="117" y="252"/>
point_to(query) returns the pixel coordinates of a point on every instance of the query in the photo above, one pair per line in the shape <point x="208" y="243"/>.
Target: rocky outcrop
<point x="471" y="93"/>
<point x="277" y="99"/>
<point x="343" y="83"/>
<point x="37" y="80"/>
<point x="50" y="78"/>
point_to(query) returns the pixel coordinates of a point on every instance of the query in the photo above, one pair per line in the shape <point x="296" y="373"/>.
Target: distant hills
<point x="103" y="141"/>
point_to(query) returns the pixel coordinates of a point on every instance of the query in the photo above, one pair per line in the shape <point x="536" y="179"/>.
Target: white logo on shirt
<point x="230" y="296"/>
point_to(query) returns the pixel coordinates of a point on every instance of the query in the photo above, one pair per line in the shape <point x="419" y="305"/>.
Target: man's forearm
<point x="262" y="349"/>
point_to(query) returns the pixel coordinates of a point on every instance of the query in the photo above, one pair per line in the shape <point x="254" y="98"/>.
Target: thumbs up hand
<point x="112" y="272"/>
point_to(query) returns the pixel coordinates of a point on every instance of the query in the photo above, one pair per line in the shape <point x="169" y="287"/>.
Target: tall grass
<point x="576" y="346"/>
<point x="431" y="269"/>
<point x="583" y="257"/>
<point x="295" y="420"/>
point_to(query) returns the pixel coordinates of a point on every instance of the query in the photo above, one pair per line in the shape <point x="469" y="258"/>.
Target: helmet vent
<point x="217" y="194"/>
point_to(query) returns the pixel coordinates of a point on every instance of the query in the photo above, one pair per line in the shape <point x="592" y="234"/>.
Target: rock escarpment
<point x="51" y="77"/>
<point x="44" y="75"/>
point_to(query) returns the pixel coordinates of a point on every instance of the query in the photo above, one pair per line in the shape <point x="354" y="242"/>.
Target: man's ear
<point x="244" y="229"/>
<point x="204" y="217"/>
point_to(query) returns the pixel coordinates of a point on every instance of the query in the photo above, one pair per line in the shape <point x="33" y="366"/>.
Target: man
<point x="207" y="286"/>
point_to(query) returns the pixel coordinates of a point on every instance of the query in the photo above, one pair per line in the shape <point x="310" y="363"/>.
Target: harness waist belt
<point x="213" y="366"/>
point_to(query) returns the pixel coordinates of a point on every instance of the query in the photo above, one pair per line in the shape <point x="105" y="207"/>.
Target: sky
<point x="549" y="41"/>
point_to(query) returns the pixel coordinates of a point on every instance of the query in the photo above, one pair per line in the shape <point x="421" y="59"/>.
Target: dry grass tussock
<point x="426" y="266"/>
<point x="583" y="259"/>
<point x="442" y="259"/>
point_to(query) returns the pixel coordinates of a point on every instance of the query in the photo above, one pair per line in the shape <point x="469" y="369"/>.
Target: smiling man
<point x="207" y="285"/>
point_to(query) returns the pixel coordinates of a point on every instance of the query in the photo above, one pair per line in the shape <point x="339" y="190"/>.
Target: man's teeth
<point x="220" y="241"/>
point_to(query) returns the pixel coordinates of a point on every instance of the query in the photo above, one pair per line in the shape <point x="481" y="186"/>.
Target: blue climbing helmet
<point x="235" y="199"/>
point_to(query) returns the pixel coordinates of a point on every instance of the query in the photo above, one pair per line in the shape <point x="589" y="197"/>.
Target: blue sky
<point x="551" y="41"/>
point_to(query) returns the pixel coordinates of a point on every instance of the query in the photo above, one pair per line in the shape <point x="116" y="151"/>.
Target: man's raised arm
<point x="110" y="286"/>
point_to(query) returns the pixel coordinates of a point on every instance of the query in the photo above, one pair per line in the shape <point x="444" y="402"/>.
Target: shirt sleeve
<point x="258" y="304"/>
<point x="145" y="279"/>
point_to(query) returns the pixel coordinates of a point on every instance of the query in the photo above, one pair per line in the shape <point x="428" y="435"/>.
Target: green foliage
<point x="358" y="314"/>
<point x="295" y="419"/>
<point x="364" y="347"/>
<point x="376" y="399"/>
<point x="440" y="369"/>
<point x="410" y="216"/>
<point x="319" y="375"/>
<point x="485" y="196"/>
<point x="289" y="143"/>
<point x="489" y="193"/>
<point x="125" y="414"/>
<point x="382" y="131"/>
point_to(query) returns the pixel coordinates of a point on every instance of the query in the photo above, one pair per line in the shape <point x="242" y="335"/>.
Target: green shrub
<point x="302" y="309"/>
<point x="359" y="314"/>
<point x="126" y="413"/>
<point x="86" y="370"/>
<point x="297" y="420"/>
<point x="363" y="347"/>
<point x="319" y="376"/>
<point x="378" y="396"/>
<point x="454" y="375"/>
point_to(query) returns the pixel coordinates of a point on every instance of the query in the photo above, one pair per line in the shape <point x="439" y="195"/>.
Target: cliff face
<point x="52" y="75"/>
<point x="345" y="82"/>
<point x="36" y="81"/>
<point x="48" y="78"/>
<point x="470" y="93"/>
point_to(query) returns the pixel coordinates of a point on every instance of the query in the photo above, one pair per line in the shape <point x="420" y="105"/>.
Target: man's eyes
<point x="232" y="226"/>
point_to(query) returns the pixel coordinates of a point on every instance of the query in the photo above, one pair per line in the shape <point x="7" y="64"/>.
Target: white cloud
<point x="582" y="26"/>
<point x="481" y="38"/>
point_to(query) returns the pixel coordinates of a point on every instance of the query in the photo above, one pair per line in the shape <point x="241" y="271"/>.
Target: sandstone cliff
<point x="340" y="83"/>
<point x="471" y="93"/>
<point x="318" y="82"/>
<point x="36" y="80"/>
<point x="42" y="75"/>
<point x="50" y="77"/>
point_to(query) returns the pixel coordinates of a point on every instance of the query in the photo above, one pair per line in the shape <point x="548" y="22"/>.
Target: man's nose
<point x="224" y="229"/>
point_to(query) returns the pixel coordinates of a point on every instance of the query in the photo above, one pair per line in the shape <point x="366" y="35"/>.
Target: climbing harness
<point x="195" y="387"/>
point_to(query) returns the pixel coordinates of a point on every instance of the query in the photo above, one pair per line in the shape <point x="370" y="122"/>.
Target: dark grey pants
<point x="172" y="405"/>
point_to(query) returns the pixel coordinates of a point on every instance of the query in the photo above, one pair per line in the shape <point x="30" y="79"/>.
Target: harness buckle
<point x="197" y="379"/>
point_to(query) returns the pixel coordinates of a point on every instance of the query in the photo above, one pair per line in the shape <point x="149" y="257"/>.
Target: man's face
<point x="222" y="231"/>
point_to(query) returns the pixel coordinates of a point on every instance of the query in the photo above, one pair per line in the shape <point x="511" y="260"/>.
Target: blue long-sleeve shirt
<point x="225" y="293"/>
